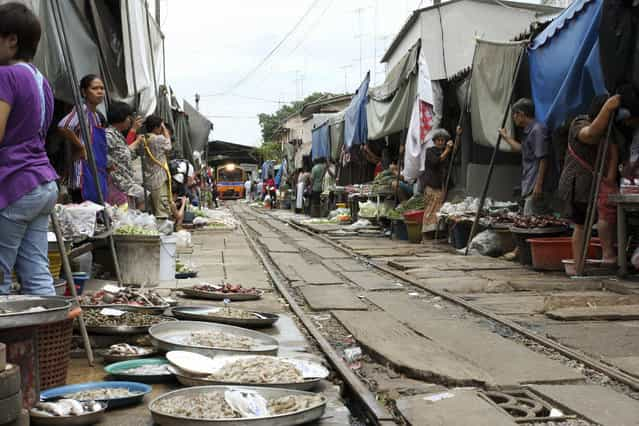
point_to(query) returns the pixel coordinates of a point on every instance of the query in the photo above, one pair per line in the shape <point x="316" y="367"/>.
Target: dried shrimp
<point x="259" y="369"/>
<point x="292" y="403"/>
<point x="219" y="339"/>
<point x="101" y="394"/>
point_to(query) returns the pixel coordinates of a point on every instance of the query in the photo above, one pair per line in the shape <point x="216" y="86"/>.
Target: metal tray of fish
<point x="186" y="380"/>
<point x="15" y="310"/>
<point x="117" y="330"/>
<point x="218" y="295"/>
<point x="75" y="420"/>
<point x="112" y="358"/>
<point x="210" y="314"/>
<point x="122" y="370"/>
<point x="172" y="336"/>
<point x="290" y="419"/>
<point x="151" y="310"/>
<point x="138" y="390"/>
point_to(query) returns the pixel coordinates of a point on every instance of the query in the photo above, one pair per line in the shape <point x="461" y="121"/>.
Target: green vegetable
<point x="134" y="230"/>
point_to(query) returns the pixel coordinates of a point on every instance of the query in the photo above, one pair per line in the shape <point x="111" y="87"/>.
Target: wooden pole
<point x="491" y="168"/>
<point x="600" y="165"/>
<point x="66" y="266"/>
<point x="84" y="124"/>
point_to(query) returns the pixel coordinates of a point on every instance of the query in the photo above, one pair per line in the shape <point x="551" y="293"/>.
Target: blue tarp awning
<point x="355" y="124"/>
<point x="565" y="69"/>
<point x="321" y="145"/>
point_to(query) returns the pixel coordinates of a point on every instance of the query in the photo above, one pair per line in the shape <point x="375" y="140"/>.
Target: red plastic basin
<point x="415" y="216"/>
<point x="547" y="253"/>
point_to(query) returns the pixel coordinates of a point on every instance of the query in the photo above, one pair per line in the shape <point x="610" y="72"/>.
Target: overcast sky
<point x="213" y="44"/>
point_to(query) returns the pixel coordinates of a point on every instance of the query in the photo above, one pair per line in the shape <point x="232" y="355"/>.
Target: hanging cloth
<point x="97" y="135"/>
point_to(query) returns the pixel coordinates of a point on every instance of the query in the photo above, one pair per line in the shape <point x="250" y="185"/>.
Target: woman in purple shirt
<point x="28" y="191"/>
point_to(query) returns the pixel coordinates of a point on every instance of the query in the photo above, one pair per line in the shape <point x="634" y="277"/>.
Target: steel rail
<point x="375" y="412"/>
<point x="620" y="376"/>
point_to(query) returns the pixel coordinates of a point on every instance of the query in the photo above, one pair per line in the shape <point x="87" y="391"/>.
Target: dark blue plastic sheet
<point x="321" y="142"/>
<point x="565" y="68"/>
<point x="355" y="124"/>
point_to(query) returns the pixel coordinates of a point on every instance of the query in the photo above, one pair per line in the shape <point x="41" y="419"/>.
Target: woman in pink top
<point x="28" y="191"/>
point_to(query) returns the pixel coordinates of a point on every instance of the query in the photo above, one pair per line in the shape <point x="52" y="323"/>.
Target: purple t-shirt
<point x="24" y="164"/>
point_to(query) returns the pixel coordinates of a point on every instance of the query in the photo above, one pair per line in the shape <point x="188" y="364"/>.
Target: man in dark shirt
<point x="539" y="166"/>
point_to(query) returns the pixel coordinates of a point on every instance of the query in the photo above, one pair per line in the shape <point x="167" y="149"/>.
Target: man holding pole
<point x="539" y="166"/>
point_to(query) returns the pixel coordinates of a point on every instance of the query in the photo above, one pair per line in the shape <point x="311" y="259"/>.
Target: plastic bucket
<point x="548" y="253"/>
<point x="416" y="216"/>
<point x="168" y="244"/>
<point x="399" y="230"/>
<point x="79" y="278"/>
<point x="414" y="231"/>
<point x="139" y="258"/>
<point x="459" y="233"/>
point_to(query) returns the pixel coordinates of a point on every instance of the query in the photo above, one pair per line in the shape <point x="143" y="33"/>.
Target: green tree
<point x="270" y="122"/>
<point x="269" y="151"/>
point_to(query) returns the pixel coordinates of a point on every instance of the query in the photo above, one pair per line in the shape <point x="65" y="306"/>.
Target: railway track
<point x="370" y="407"/>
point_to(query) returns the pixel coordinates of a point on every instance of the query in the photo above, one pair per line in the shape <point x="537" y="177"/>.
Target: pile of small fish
<point x="124" y="349"/>
<point x="66" y="407"/>
<point x="114" y="295"/>
<point x="94" y="318"/>
<point x="226" y="288"/>
<point x="219" y="339"/>
<point x="258" y="369"/>
<point x="213" y="406"/>
<point x="147" y="370"/>
<point x="101" y="394"/>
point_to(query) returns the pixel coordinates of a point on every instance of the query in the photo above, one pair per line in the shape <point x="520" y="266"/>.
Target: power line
<point x="254" y="98"/>
<point x="247" y="117"/>
<point x="272" y="52"/>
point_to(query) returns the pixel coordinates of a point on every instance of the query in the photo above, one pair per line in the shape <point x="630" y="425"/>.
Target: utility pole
<point x="375" y="41"/>
<point x="360" y="36"/>
<point x="299" y="85"/>
<point x="344" y="68"/>
<point x="157" y="12"/>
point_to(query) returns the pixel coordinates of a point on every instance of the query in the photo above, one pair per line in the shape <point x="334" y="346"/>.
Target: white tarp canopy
<point x="448" y="32"/>
<point x="83" y="38"/>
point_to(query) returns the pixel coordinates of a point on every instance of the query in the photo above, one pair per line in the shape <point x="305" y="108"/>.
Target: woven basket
<point x="54" y="347"/>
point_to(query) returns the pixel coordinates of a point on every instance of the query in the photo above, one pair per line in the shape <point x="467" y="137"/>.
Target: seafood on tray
<point x="220" y="339"/>
<point x="539" y="222"/>
<point x="228" y="312"/>
<point x="114" y="295"/>
<point x="147" y="370"/>
<point x="96" y="317"/>
<point x="234" y="404"/>
<point x="258" y="370"/>
<point x="124" y="349"/>
<point x="226" y="288"/>
<point x="101" y="394"/>
<point x="66" y="407"/>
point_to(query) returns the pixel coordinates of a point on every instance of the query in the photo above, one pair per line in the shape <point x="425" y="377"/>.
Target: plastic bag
<point x="487" y="243"/>
<point x="183" y="239"/>
<point x="247" y="403"/>
<point x="78" y="220"/>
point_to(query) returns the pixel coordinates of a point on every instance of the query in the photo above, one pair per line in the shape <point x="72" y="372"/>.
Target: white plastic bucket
<point x="168" y="245"/>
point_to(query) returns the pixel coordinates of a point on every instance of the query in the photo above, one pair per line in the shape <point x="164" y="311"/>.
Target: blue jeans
<point x="23" y="241"/>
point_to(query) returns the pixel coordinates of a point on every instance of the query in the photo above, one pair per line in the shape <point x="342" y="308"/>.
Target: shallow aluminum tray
<point x="57" y="309"/>
<point x="151" y="310"/>
<point x="297" y="418"/>
<point x="211" y="295"/>
<point x="207" y="313"/>
<point x="116" y="330"/>
<point x="540" y="231"/>
<point x="166" y="337"/>
<point x="109" y="358"/>
<point x="83" y="419"/>
<point x="186" y="380"/>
